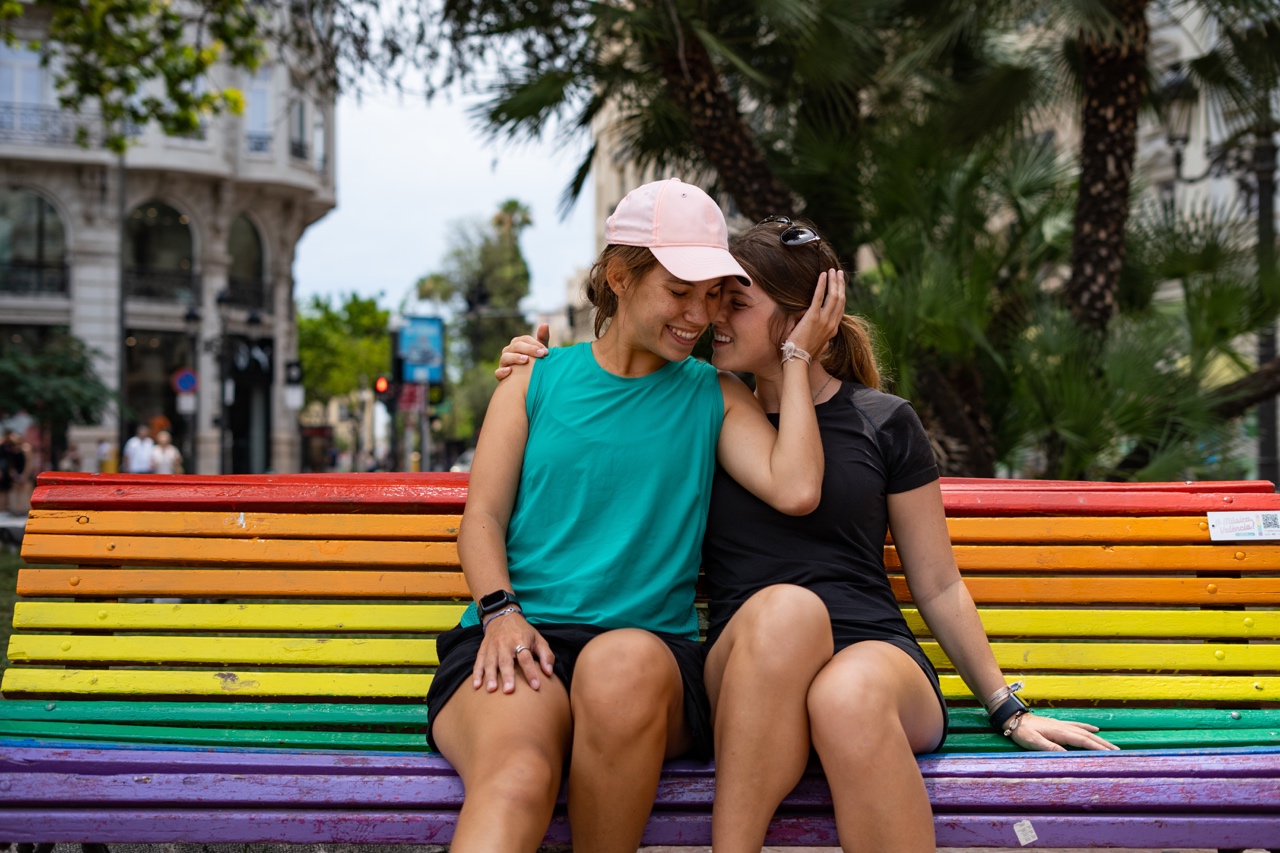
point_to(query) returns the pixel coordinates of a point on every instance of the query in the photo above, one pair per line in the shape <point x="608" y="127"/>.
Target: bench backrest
<point x="319" y="594"/>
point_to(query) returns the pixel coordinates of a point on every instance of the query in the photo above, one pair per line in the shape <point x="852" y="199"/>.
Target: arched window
<point x="247" y="284"/>
<point x="157" y="254"/>
<point x="33" y="244"/>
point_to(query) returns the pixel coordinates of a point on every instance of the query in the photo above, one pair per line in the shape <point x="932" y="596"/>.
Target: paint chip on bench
<point x="1025" y="831"/>
<point x="1226" y="526"/>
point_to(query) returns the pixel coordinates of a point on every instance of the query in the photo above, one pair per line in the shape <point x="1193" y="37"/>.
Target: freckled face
<point x="666" y="315"/>
<point x="742" y="338"/>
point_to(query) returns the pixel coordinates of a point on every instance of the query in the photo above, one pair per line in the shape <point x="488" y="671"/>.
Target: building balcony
<point x="34" y="278"/>
<point x="26" y="124"/>
<point x="157" y="285"/>
<point x="298" y="149"/>
<point x="251" y="293"/>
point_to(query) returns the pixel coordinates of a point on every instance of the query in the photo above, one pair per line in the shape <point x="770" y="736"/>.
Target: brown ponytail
<point x="632" y="262"/>
<point x="789" y="275"/>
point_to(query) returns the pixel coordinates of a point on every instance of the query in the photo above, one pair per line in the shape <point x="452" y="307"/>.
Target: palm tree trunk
<point x="719" y="131"/>
<point x="1114" y="72"/>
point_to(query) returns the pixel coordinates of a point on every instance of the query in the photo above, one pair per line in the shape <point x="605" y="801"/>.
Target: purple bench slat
<point x="436" y="827"/>
<point x="966" y="794"/>
<point x="1262" y="761"/>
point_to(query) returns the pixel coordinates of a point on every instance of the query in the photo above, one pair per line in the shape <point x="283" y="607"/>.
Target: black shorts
<point x="458" y="647"/>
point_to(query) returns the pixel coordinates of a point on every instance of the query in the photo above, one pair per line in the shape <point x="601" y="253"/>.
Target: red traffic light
<point x="381" y="385"/>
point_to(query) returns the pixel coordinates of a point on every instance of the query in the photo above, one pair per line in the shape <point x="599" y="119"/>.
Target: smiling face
<point x="744" y="330"/>
<point x="664" y="314"/>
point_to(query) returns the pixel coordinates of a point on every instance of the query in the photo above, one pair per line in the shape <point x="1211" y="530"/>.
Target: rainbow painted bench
<point x="281" y="700"/>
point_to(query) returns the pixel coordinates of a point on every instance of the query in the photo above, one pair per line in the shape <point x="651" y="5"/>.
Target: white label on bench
<point x="1225" y="526"/>
<point x="1025" y="831"/>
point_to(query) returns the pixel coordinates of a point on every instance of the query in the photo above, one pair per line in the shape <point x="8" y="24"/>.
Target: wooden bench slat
<point x="267" y="651"/>
<point x="349" y="652"/>
<point x="244" y="525"/>
<point x="988" y="484"/>
<point x="1160" y="794"/>
<point x="176" y="551"/>
<point x="301" y="583"/>
<point x="230" y="583"/>
<point x="1172" y="624"/>
<point x="1146" y="559"/>
<point x="376" y="685"/>
<point x="176" y="682"/>
<point x="242" y="714"/>
<point x="296" y="618"/>
<point x="436" y="617"/>
<point x="284" y="525"/>
<point x="1109" y="503"/>
<point x="1210" y="592"/>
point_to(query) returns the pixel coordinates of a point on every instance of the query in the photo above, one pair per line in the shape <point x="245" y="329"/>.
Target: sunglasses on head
<point x="793" y="235"/>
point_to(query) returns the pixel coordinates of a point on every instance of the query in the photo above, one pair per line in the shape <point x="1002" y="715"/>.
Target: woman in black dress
<point x="807" y="647"/>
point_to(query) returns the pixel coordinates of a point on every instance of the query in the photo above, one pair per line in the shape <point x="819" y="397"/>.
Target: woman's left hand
<point x="1050" y="735"/>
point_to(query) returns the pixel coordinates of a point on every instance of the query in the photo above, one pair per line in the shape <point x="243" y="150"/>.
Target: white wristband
<point x="790" y="351"/>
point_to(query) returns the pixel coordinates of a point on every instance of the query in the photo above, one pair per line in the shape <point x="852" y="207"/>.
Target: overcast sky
<point x="405" y="172"/>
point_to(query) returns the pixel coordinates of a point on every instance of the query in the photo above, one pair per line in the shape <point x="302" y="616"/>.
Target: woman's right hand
<point x="498" y="656"/>
<point x="521" y="349"/>
<point x="822" y="319"/>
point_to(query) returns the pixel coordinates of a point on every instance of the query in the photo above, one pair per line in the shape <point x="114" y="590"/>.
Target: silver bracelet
<point x="994" y="700"/>
<point x="1015" y="722"/>
<point x="790" y="351"/>
<point x="484" y="626"/>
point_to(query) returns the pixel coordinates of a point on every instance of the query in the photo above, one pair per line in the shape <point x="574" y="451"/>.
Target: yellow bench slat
<point x="1173" y="624"/>
<point x="175" y="551"/>
<point x="364" y="617"/>
<point x="1126" y="657"/>
<point x="266" y="651"/>
<point x="373" y="685"/>
<point x="346" y="652"/>
<point x="244" y="525"/>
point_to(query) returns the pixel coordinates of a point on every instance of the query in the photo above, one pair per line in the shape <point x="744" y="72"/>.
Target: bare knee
<point x="625" y="682"/>
<point x="853" y="713"/>
<point x="520" y="779"/>
<point x="781" y="627"/>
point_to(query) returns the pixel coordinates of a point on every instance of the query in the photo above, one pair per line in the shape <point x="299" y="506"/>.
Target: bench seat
<point x="275" y="693"/>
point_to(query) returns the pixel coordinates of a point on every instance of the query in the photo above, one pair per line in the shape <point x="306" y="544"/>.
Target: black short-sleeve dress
<point x="875" y="446"/>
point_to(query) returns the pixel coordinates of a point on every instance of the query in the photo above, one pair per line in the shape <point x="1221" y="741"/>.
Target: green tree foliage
<point x="55" y="383"/>
<point x="342" y="347"/>
<point x="130" y="62"/>
<point x="482" y="282"/>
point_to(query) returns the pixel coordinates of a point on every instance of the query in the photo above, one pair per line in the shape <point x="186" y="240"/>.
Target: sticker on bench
<point x="1026" y="832"/>
<point x="1225" y="526"/>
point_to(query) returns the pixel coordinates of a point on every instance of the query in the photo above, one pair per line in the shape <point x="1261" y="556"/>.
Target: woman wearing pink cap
<point x="804" y="604"/>
<point x="582" y="535"/>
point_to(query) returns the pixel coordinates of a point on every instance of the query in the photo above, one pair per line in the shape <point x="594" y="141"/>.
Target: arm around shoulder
<point x="782" y="467"/>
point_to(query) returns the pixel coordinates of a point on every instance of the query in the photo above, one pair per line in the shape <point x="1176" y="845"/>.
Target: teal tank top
<point x="607" y="524"/>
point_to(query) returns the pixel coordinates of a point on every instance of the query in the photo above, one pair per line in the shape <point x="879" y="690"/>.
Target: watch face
<point x="493" y="600"/>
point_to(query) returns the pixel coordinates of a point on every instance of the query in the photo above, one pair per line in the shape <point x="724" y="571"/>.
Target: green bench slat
<point x="230" y="714"/>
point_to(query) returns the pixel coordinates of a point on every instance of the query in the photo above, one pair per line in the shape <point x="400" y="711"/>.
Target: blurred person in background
<point x="137" y="456"/>
<point x="165" y="458"/>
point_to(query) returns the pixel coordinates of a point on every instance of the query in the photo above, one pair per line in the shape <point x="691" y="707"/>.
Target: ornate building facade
<point x="202" y="266"/>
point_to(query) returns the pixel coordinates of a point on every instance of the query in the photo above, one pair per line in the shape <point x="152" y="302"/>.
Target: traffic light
<point x="435" y="394"/>
<point x="388" y="392"/>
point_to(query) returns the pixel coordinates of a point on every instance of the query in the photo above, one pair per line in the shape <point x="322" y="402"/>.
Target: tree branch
<point x="1237" y="398"/>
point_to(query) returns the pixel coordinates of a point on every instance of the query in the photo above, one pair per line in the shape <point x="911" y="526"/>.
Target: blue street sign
<point x="184" y="381"/>
<point x="422" y="350"/>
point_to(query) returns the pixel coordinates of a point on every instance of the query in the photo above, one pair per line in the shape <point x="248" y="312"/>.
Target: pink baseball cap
<point x="681" y="225"/>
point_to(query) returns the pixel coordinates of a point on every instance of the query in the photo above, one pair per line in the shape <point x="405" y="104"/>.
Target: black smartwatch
<point x="1005" y="711"/>
<point x="495" y="601"/>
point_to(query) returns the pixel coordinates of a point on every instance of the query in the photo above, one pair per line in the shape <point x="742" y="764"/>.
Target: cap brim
<point x="699" y="263"/>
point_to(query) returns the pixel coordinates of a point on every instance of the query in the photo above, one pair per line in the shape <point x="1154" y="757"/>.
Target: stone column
<point x="214" y="265"/>
<point x="286" y="448"/>
<point x="94" y="264"/>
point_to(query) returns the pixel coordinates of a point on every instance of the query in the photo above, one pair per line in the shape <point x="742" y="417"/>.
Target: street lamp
<point x="1258" y="162"/>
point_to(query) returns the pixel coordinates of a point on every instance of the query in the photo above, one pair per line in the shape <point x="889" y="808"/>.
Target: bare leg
<point x="628" y="714"/>
<point x="871" y="709"/>
<point x="509" y="750"/>
<point x="758" y="674"/>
